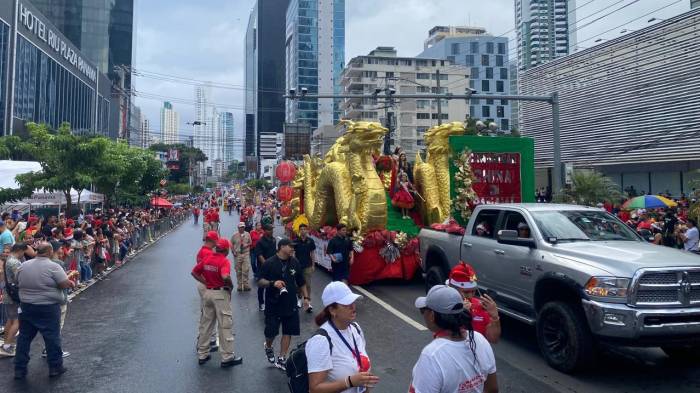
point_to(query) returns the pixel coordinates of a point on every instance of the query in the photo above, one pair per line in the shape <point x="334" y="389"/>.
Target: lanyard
<point x="356" y="352"/>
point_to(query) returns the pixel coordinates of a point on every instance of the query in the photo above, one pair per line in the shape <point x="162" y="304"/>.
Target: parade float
<point x="357" y="186"/>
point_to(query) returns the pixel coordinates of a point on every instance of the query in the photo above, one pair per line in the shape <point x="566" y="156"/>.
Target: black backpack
<point x="297" y="368"/>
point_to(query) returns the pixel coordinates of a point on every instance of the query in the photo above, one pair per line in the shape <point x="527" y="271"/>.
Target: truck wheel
<point x="435" y="276"/>
<point x="685" y="353"/>
<point x="563" y="337"/>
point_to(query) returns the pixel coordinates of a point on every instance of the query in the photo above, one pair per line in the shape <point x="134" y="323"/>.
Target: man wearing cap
<point x="241" y="242"/>
<point x="282" y="277"/>
<point x="457" y="360"/>
<point x="215" y="273"/>
<point x="205" y="252"/>
<point x="6" y="238"/>
<point x="41" y="283"/>
<point x="484" y="311"/>
<point x="264" y="249"/>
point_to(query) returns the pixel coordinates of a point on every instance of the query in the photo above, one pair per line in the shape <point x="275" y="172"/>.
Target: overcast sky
<point x="203" y="40"/>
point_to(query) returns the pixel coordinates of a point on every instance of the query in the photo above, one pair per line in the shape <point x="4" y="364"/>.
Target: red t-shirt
<point x="646" y="224"/>
<point x="480" y="317"/>
<point x="212" y="269"/>
<point x="255" y="235"/>
<point x="196" y="211"/>
<point x="215" y="216"/>
<point x="203" y="253"/>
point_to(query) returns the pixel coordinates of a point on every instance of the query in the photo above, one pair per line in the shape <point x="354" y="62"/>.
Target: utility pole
<point x="439" y="101"/>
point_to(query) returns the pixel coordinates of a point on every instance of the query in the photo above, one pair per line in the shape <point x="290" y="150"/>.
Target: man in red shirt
<point x="484" y="311"/>
<point x="205" y="252"/>
<point x="215" y="273"/>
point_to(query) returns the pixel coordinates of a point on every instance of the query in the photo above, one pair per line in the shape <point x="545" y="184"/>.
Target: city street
<point x="135" y="332"/>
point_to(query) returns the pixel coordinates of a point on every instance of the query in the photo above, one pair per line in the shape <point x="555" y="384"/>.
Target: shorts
<point x="341" y="271"/>
<point x="11" y="311"/>
<point x="290" y="324"/>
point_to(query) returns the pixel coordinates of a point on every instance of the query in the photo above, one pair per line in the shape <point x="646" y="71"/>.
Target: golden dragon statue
<point x="345" y="187"/>
<point x="432" y="176"/>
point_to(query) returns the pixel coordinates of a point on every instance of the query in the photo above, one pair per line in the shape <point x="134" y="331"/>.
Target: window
<point x="489" y="101"/>
<point x="499" y="87"/>
<point x="504" y="124"/>
<point x="485" y="85"/>
<point x="499" y="60"/>
<point x="504" y="102"/>
<point x="485" y="111"/>
<point x="422" y="63"/>
<point x="489" y="47"/>
<point x="366" y="74"/>
<point x="504" y="73"/>
<point x="501" y="48"/>
<point x="472" y="110"/>
<point x="442" y="90"/>
<point x="512" y="220"/>
<point x="484" y="60"/>
<point x="472" y="84"/>
<point x="423" y="89"/>
<point x="474" y="47"/>
<point x="469" y="60"/>
<point x="500" y="111"/>
<point x="422" y="75"/>
<point x="422" y="116"/>
<point x="422" y="104"/>
<point x="475" y="72"/>
<point x="475" y="101"/>
<point x="443" y="77"/>
<point x="435" y="116"/>
<point x="455" y="48"/>
<point x="485" y="223"/>
<point x="389" y="74"/>
<point x="489" y="73"/>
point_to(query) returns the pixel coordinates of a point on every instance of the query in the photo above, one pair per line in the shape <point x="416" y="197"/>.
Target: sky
<point x="204" y="40"/>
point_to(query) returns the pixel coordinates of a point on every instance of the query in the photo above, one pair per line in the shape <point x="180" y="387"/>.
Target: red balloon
<point x="285" y="193"/>
<point x="285" y="210"/>
<point x="285" y="171"/>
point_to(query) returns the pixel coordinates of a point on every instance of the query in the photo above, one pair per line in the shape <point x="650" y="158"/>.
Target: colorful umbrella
<point x="648" y="202"/>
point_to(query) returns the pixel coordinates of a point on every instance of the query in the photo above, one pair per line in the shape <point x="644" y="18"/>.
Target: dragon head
<point x="364" y="136"/>
<point x="437" y="137"/>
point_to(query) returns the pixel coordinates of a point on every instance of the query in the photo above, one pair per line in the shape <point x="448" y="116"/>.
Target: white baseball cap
<point x="338" y="292"/>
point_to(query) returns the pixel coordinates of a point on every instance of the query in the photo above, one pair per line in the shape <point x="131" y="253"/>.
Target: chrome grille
<point x="657" y="287"/>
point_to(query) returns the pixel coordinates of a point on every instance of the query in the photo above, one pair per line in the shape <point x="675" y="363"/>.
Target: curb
<point x="126" y="261"/>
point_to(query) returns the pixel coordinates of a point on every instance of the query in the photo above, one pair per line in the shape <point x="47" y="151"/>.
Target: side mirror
<point x="511" y="237"/>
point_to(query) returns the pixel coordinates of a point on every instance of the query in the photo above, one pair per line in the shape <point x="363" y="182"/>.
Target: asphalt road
<point x="135" y="332"/>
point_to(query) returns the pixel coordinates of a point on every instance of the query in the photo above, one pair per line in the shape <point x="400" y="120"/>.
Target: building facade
<point x="228" y="141"/>
<point x="264" y="72"/>
<point x="103" y="31"/>
<point x="487" y="59"/>
<point x="382" y="68"/>
<point x="694" y="4"/>
<point x="315" y="56"/>
<point x="545" y="30"/>
<point x="270" y="152"/>
<point x="628" y="107"/>
<point x="323" y="138"/>
<point x="44" y="78"/>
<point x="169" y="123"/>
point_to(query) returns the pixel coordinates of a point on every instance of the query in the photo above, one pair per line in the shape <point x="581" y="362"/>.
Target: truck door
<point x="516" y="263"/>
<point x="478" y="245"/>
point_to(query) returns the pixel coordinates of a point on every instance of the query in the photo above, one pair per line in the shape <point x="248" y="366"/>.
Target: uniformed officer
<point x="241" y="242"/>
<point x="215" y="273"/>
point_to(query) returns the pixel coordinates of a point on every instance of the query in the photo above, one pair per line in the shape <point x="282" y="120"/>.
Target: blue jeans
<point x="85" y="270"/>
<point x="44" y="319"/>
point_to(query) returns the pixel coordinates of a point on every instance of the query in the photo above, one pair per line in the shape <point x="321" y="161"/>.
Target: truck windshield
<point x="581" y="225"/>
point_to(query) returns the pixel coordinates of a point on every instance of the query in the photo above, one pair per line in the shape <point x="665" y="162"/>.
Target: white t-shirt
<point x="341" y="363"/>
<point x="447" y="366"/>
<point x="692" y="238"/>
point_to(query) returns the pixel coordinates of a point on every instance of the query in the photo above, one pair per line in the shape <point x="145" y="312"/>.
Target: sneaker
<point x="281" y="363"/>
<point x="234" y="361"/>
<point x="270" y="354"/>
<point x="299" y="303"/>
<point x="65" y="354"/>
<point x="7" y="351"/>
<point x="261" y="307"/>
<point x="310" y="309"/>
<point x="204" y="360"/>
<point x="57" y="372"/>
<point x="213" y="346"/>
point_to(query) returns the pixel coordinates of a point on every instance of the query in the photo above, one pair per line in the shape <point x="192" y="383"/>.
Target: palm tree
<point x="590" y="187"/>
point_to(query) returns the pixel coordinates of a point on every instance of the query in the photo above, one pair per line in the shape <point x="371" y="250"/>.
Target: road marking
<point x="390" y="308"/>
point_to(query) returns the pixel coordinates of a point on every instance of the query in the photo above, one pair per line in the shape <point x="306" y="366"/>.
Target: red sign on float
<point x="497" y="177"/>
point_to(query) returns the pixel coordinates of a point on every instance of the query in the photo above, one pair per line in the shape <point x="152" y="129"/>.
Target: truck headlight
<point x="610" y="287"/>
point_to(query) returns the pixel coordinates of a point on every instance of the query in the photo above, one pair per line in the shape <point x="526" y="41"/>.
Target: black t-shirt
<point x="291" y="273"/>
<point x="342" y="245"/>
<point x="266" y="247"/>
<point x="303" y="250"/>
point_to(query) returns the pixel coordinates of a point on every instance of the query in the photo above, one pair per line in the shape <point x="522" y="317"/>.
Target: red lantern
<point x="285" y="171"/>
<point x="285" y="193"/>
<point x="285" y="210"/>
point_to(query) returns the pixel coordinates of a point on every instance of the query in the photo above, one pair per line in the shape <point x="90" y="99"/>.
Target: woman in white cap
<point x="341" y="365"/>
<point x="455" y="361"/>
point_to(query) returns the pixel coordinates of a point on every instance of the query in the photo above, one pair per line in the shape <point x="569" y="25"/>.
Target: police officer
<point x="215" y="273"/>
<point x="241" y="242"/>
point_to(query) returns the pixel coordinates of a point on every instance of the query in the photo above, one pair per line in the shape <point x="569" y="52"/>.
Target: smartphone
<point x="492" y="294"/>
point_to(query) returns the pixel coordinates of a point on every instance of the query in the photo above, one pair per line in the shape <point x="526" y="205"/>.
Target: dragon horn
<point x="419" y="160"/>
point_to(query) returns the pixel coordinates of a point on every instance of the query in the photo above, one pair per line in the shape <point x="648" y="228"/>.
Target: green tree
<point x="67" y="160"/>
<point x="258" y="184"/>
<point x="589" y="187"/>
<point x="178" y="188"/>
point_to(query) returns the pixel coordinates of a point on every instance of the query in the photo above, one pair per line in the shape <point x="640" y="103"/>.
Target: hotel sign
<point x="55" y="41"/>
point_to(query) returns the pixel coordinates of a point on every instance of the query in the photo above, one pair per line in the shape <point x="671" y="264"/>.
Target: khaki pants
<point x="243" y="270"/>
<point x="201" y="288"/>
<point x="216" y="309"/>
<point x="308" y="273"/>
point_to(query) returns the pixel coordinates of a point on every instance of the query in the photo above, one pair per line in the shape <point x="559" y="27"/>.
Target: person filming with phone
<point x="483" y="308"/>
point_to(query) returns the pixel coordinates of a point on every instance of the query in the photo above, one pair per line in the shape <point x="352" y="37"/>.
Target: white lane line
<point x="390" y="308"/>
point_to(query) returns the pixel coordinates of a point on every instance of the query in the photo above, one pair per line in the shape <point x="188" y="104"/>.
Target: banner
<point x="497" y="177"/>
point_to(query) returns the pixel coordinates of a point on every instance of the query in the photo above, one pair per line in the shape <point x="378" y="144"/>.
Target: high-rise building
<point x="694" y="4"/>
<point x="103" y="31"/>
<point x="487" y="59"/>
<point x="545" y="30"/>
<point x="169" y="123"/>
<point x="229" y="141"/>
<point x="382" y="68"/>
<point x="205" y="138"/>
<point x="315" y="56"/>
<point x="148" y="137"/>
<point x="264" y="72"/>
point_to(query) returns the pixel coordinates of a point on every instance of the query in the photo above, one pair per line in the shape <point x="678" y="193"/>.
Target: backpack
<point x="297" y="368"/>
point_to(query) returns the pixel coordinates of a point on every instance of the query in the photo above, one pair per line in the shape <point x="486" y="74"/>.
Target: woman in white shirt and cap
<point x="346" y="366"/>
